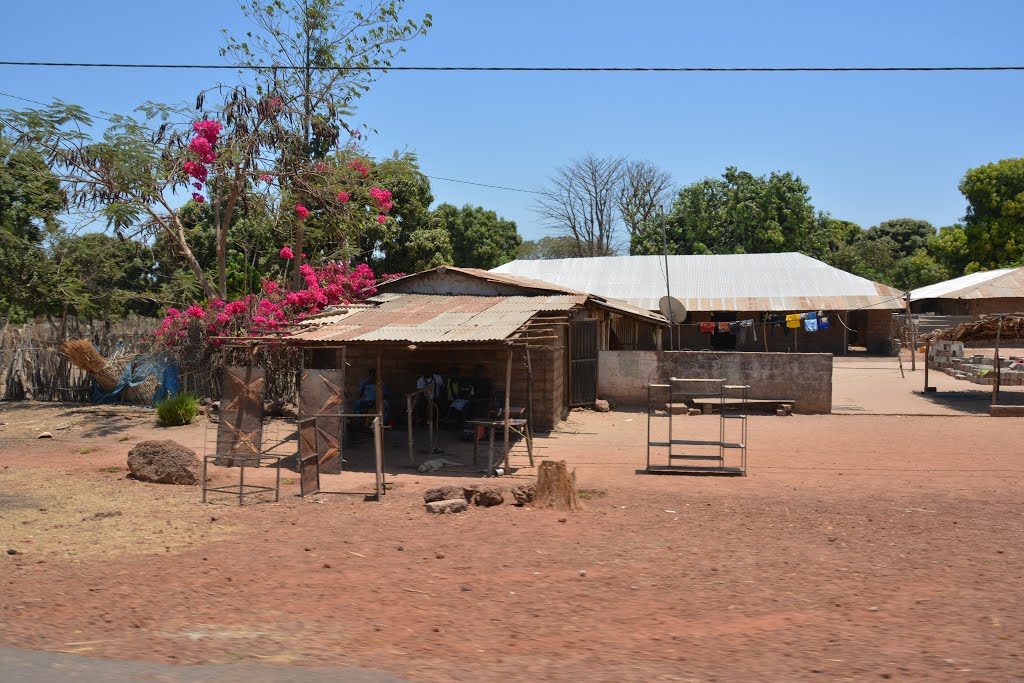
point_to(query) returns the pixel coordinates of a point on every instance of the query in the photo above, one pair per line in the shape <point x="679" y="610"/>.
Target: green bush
<point x="179" y="409"/>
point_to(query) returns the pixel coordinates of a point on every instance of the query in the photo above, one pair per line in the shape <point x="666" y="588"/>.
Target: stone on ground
<point x="164" y="462"/>
<point x="443" y="493"/>
<point x="602" y="406"/>
<point x="444" y="507"/>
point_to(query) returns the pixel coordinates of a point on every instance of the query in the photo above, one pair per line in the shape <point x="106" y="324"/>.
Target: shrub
<point x="179" y="409"/>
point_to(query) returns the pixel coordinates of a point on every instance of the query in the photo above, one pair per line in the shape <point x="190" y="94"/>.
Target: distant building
<point x="990" y="291"/>
<point x="722" y="288"/>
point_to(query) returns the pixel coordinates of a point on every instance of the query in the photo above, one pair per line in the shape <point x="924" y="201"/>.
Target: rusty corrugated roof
<point x="431" y="318"/>
<point x="729" y="282"/>
<point x="1006" y="283"/>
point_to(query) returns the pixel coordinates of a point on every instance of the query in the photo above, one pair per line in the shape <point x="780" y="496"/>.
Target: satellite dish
<point x="673" y="309"/>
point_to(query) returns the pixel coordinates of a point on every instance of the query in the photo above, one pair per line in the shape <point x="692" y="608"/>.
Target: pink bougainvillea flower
<point x="382" y="219"/>
<point x="266" y="178"/>
<point x="210" y="130"/>
<point x="302" y="211"/>
<point x="196" y="170"/>
<point x="344" y="197"/>
<point x="323" y="167"/>
<point x="198" y="186"/>
<point x="200" y="145"/>
<point x="198" y="198"/>
<point x="358" y="166"/>
<point x="194" y="311"/>
<point x="287" y="253"/>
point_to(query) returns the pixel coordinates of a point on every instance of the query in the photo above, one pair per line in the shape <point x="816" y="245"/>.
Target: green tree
<point x="950" y="248"/>
<point x="479" y="238"/>
<point x="909" y="234"/>
<point x="548" y="248"/>
<point x="738" y="213"/>
<point x="104" y="277"/>
<point x="30" y="201"/>
<point x="994" y="224"/>
<point x="917" y="270"/>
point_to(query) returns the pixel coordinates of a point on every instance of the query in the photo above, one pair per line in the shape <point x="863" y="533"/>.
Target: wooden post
<point x="998" y="377"/>
<point x="379" y="386"/>
<point x="910" y="332"/>
<point x="927" y="363"/>
<point x="528" y="432"/>
<point x="508" y="401"/>
<point x="408" y="415"/>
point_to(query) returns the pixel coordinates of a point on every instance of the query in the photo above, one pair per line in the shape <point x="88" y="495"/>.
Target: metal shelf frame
<point x="663" y="399"/>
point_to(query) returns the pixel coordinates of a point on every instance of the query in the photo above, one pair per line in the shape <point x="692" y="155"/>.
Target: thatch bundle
<point x="83" y="354"/>
<point x="107" y="371"/>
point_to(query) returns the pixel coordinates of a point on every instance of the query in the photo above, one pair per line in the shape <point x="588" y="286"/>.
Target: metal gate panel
<point x="322" y="395"/>
<point x="240" y="430"/>
<point x="309" y="458"/>
<point x="583" y="362"/>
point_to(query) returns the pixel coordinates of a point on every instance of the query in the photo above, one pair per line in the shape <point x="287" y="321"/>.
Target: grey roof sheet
<point x="729" y="282"/>
<point x="988" y="284"/>
<point x="430" y="318"/>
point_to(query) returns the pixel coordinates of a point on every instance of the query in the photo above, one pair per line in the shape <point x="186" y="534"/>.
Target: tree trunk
<point x="556" y="487"/>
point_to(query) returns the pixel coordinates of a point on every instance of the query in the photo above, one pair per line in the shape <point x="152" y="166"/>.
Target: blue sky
<point x="870" y="146"/>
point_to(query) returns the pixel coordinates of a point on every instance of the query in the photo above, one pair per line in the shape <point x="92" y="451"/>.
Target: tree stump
<point x="556" y="487"/>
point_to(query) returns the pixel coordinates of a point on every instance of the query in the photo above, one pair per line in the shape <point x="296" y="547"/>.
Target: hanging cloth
<point x="707" y="328"/>
<point x="723" y="328"/>
<point x="823" y="322"/>
<point x="793" y="321"/>
<point x="747" y="325"/>
<point x="811" y="324"/>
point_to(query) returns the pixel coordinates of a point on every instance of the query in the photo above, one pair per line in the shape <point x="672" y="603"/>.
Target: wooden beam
<point x="508" y="401"/>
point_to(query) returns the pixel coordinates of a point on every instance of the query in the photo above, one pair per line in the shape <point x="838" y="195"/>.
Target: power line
<point x="496" y="187"/>
<point x="563" y="69"/>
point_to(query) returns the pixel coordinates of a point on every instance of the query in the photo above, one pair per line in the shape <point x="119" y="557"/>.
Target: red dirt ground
<point x="859" y="548"/>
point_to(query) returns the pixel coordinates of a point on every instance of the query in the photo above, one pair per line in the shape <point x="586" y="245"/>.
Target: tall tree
<point x="643" y="192"/>
<point x="994" y="223"/>
<point x="547" y="248"/>
<point x="331" y="53"/>
<point x="738" y="213"/>
<point x="581" y="202"/>
<point x="909" y="234"/>
<point x="30" y="201"/>
<point x="479" y="238"/>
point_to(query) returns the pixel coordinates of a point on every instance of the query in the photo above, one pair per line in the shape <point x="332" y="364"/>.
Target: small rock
<point x="524" y="494"/>
<point x="440" y="556"/>
<point x="443" y="507"/>
<point x="583" y="572"/>
<point x="164" y="462"/>
<point x="12" y="551"/>
<point x="45" y="435"/>
<point x="872" y="609"/>
<point x="327" y="566"/>
<point x="602" y="406"/>
<point x="562" y="520"/>
<point x="400" y="548"/>
<point x="466" y="589"/>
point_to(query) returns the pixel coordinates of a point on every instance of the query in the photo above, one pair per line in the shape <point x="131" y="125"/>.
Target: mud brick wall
<point x="401" y="367"/>
<point x="805" y="378"/>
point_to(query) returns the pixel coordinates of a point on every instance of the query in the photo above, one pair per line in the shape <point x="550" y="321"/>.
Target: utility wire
<point x="496" y="187"/>
<point x="628" y="69"/>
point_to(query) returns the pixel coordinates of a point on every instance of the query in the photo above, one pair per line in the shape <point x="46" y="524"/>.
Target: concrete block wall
<point x="805" y="378"/>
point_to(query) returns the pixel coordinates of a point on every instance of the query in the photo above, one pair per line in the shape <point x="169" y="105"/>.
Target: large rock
<point x="488" y="496"/>
<point x="444" y="507"/>
<point x="164" y="462"/>
<point x="443" y="493"/>
<point x="524" y="494"/>
<point x="602" y="406"/>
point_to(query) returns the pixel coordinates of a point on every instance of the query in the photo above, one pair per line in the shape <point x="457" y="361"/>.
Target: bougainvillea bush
<point x="194" y="338"/>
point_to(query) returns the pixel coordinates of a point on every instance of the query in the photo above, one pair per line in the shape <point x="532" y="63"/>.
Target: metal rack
<point x="663" y="400"/>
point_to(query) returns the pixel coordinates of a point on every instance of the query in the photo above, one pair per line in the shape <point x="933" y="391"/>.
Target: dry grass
<point x="48" y="513"/>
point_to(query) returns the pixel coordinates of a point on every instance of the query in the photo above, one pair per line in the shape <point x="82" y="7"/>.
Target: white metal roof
<point x="728" y="282"/>
<point x="1005" y="282"/>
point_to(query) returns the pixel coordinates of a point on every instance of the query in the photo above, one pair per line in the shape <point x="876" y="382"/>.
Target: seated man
<point x="431" y="386"/>
<point x="367" y="399"/>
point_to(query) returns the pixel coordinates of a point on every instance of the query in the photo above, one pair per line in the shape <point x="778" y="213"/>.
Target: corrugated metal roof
<point x="488" y="275"/>
<point x="427" y="318"/>
<point x="988" y="284"/>
<point x="727" y="282"/>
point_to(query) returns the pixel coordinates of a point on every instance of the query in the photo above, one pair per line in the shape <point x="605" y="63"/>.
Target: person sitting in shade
<point x="367" y="399"/>
<point x="431" y="388"/>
